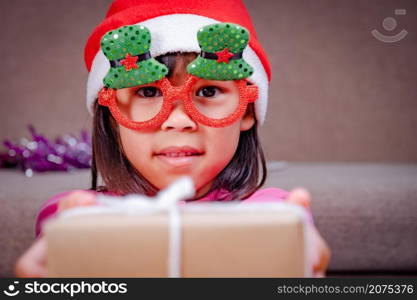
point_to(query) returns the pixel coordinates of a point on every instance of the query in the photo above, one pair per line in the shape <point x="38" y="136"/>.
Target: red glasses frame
<point x="247" y="94"/>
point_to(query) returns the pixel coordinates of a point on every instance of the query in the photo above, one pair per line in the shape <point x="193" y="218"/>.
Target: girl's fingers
<point x="77" y="198"/>
<point x="33" y="262"/>
<point x="300" y="196"/>
<point x="322" y="253"/>
<point x="319" y="274"/>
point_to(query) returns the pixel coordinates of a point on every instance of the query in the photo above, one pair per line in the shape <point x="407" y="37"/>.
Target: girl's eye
<point x="149" y="92"/>
<point x="208" y="91"/>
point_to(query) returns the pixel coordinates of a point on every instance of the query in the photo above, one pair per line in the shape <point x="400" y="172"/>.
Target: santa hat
<point x="174" y="25"/>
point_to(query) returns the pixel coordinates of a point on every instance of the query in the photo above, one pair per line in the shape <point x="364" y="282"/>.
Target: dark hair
<point x="240" y="177"/>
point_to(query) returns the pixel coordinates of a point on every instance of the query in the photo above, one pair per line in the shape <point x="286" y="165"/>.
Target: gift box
<point x="136" y="238"/>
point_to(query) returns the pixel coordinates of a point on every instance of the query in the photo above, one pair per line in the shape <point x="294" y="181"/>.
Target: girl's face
<point x="212" y="148"/>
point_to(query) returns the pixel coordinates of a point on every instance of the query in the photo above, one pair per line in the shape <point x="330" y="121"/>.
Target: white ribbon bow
<point x="166" y="200"/>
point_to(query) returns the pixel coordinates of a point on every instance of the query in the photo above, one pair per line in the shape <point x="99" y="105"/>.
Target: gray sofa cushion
<point x="366" y="212"/>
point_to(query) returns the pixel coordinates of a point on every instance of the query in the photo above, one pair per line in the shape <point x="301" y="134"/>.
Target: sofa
<point x="367" y="212"/>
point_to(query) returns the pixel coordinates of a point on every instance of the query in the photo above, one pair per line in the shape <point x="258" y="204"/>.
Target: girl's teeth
<point x="178" y="154"/>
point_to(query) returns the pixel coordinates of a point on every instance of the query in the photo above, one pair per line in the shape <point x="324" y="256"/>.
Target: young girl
<point x="176" y="88"/>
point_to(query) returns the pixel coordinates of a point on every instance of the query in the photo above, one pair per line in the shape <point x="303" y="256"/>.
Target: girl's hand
<point x="32" y="263"/>
<point x="320" y="250"/>
<point x="77" y="198"/>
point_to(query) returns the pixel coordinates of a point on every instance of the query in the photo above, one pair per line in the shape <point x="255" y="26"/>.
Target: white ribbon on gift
<point x="166" y="200"/>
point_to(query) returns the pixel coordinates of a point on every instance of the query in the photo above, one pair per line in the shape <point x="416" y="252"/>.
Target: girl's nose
<point x="179" y="119"/>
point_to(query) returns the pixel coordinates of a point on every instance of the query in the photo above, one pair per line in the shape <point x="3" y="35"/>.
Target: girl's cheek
<point x="136" y="146"/>
<point x="224" y="144"/>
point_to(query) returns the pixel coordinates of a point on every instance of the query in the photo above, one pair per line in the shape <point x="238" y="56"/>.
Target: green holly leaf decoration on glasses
<point x="131" y="64"/>
<point x="222" y="46"/>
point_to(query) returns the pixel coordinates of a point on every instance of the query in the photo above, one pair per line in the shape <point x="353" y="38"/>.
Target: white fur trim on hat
<point x="172" y="33"/>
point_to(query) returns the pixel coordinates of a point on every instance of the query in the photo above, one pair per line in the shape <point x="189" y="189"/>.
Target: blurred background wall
<point x="337" y="93"/>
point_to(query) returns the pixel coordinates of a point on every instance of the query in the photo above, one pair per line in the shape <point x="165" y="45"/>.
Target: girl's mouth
<point x="179" y="156"/>
<point x="178" y="159"/>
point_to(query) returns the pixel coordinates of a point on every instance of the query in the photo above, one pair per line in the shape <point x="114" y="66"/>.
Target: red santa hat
<point x="174" y="25"/>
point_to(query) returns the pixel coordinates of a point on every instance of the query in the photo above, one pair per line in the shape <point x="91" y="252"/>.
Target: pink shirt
<point x="49" y="208"/>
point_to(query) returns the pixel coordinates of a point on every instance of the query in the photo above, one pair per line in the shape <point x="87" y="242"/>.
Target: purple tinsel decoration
<point x="39" y="154"/>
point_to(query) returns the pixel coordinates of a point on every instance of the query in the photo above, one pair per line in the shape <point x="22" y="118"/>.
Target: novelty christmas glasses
<point x="215" y="92"/>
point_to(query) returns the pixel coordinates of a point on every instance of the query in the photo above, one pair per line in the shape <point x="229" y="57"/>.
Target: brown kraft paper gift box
<point x="217" y="240"/>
